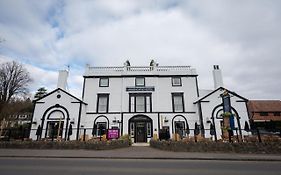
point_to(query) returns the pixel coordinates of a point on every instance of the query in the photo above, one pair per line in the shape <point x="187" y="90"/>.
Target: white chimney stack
<point x="62" y="79"/>
<point x="217" y="77"/>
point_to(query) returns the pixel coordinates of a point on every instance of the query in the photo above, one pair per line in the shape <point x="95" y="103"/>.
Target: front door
<point x="140" y="132"/>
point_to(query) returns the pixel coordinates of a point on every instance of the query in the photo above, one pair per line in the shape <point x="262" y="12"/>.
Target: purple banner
<point x="112" y="133"/>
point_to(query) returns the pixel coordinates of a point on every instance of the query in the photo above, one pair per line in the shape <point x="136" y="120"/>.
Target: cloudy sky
<point x="242" y="36"/>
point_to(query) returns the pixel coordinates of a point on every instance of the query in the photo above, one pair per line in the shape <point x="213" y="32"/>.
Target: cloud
<point x="241" y="36"/>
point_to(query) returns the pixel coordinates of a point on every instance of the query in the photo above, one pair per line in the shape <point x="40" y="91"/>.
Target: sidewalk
<point x="134" y="152"/>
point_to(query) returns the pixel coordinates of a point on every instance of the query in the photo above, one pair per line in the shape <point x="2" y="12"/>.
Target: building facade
<point x="139" y="101"/>
<point x="265" y="115"/>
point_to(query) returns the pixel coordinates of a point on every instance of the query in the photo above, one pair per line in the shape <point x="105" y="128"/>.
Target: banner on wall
<point x="112" y="134"/>
<point x="226" y="103"/>
<point x="231" y="122"/>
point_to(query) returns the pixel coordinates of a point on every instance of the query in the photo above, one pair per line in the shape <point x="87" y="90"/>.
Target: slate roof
<point x="59" y="89"/>
<point x="221" y="88"/>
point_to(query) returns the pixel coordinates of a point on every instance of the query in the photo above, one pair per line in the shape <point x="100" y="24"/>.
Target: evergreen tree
<point x="40" y="92"/>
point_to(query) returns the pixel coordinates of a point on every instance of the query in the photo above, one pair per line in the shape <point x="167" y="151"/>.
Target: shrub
<point x="93" y="144"/>
<point x="251" y="147"/>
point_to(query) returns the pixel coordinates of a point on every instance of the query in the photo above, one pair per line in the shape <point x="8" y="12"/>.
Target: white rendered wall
<point x="214" y="100"/>
<point x="217" y="76"/>
<point x="62" y="79"/>
<point x="161" y="97"/>
<point x="161" y="101"/>
<point x="41" y="106"/>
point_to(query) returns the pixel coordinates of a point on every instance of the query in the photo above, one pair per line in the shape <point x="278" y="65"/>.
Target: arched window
<point x="179" y="123"/>
<point x="100" y="126"/>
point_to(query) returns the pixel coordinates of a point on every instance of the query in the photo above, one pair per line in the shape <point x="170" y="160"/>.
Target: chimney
<point x="62" y="79"/>
<point x="217" y="77"/>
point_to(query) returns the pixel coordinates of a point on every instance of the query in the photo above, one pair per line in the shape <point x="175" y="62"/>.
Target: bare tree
<point x="14" y="80"/>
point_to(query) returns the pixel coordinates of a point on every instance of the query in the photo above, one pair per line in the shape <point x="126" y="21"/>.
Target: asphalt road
<point x="77" y="166"/>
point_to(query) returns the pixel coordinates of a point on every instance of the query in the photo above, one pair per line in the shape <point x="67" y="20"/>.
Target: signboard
<point x="140" y="89"/>
<point x="112" y="134"/>
<point x="226" y="103"/>
<point x="231" y="122"/>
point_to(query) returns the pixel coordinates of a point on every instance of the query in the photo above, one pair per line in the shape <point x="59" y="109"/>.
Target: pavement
<point x="134" y="152"/>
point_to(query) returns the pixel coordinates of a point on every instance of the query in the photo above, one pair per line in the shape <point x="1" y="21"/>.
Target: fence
<point x="251" y="135"/>
<point x="14" y="133"/>
<point x="84" y="134"/>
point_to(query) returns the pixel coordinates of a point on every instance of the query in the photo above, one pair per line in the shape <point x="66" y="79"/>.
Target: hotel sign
<point x="140" y="89"/>
<point x="112" y="134"/>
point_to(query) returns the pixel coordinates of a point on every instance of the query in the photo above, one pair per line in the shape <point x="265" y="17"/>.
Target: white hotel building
<point x="139" y="101"/>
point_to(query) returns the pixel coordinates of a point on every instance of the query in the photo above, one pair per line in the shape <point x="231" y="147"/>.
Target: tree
<point x="40" y="92"/>
<point x="14" y="80"/>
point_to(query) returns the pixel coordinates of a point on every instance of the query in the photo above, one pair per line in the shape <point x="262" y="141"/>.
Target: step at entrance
<point x="140" y="144"/>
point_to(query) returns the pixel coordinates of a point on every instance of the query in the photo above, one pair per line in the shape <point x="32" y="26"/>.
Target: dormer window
<point x="176" y="81"/>
<point x="104" y="82"/>
<point x="140" y="81"/>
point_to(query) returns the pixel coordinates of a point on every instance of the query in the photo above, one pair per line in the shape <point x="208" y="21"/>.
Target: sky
<point x="242" y="36"/>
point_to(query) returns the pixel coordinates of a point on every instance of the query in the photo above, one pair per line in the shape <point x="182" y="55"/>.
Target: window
<point x="139" y="81"/>
<point x="140" y="103"/>
<point x="179" y="128"/>
<point x="264" y="113"/>
<point x="100" y="128"/>
<point x="54" y="129"/>
<point x="102" y="103"/>
<point x="176" y="81"/>
<point x="276" y="113"/>
<point x="132" y="129"/>
<point x="104" y="82"/>
<point x="177" y="100"/>
<point x="148" y="128"/>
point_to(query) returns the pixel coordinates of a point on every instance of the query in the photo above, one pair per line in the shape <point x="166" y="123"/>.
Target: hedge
<point x="92" y="145"/>
<point x="182" y="146"/>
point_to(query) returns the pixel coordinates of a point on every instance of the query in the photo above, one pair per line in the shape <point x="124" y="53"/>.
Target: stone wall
<point x="182" y="146"/>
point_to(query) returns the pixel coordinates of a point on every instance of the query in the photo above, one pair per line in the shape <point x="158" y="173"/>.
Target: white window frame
<point x="99" y="105"/>
<point x="174" y="83"/>
<point x="148" y="129"/>
<point x="139" y="84"/>
<point x="97" y="128"/>
<point x="104" y="82"/>
<point x="133" y="102"/>
<point x="140" y="107"/>
<point x="181" y="104"/>
<point x="132" y="129"/>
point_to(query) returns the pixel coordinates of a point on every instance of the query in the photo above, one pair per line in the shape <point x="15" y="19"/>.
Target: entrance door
<point x="140" y="128"/>
<point x="140" y="132"/>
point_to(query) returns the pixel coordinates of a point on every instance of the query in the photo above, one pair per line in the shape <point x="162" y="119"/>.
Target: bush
<point x="127" y="138"/>
<point x="183" y="146"/>
<point x="93" y="145"/>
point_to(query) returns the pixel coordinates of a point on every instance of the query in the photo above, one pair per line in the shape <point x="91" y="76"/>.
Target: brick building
<point x="265" y="114"/>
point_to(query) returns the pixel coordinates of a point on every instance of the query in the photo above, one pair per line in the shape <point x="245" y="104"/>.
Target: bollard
<point x="53" y="135"/>
<point x="259" y="136"/>
<point x="84" y="136"/>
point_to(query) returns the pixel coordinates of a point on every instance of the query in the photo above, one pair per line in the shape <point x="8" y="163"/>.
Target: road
<point x="77" y="166"/>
